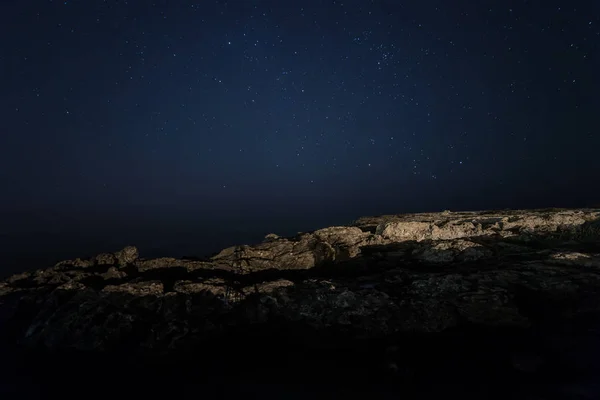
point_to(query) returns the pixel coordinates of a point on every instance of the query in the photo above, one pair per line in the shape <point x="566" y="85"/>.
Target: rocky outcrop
<point x="410" y="296"/>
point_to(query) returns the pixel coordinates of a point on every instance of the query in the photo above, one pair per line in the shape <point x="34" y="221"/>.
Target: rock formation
<point x="458" y="298"/>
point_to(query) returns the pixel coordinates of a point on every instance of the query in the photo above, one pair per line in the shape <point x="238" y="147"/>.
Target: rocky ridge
<point x="398" y="297"/>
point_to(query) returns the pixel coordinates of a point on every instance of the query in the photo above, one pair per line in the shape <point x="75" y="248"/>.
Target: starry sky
<point x="187" y="126"/>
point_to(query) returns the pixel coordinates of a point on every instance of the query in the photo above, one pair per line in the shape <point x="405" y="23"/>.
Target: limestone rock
<point x="127" y="255"/>
<point x="146" y="288"/>
<point x="404" y="282"/>
<point x="105" y="259"/>
<point x="113" y="273"/>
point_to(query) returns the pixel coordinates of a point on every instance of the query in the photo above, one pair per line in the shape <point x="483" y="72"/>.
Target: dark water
<point x="33" y="247"/>
<point x="20" y="252"/>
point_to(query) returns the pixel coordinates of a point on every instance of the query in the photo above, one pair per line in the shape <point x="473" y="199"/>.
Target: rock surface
<point x="465" y="297"/>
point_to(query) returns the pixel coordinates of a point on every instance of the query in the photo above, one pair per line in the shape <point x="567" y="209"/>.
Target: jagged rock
<point x="395" y="280"/>
<point x="5" y="288"/>
<point x="271" y="237"/>
<point x="113" y="273"/>
<point x="127" y="255"/>
<point x="137" y="289"/>
<point x="157" y="263"/>
<point x="576" y="258"/>
<point x="304" y="252"/>
<point x="449" y="251"/>
<point x="105" y="259"/>
<point x="216" y="287"/>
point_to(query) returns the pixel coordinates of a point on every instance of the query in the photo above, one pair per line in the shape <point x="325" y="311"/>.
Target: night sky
<point x="183" y="127"/>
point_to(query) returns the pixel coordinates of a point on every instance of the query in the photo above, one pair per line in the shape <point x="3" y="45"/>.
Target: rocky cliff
<point x="499" y="301"/>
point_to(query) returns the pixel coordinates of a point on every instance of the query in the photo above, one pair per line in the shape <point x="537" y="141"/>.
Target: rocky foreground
<point x="491" y="303"/>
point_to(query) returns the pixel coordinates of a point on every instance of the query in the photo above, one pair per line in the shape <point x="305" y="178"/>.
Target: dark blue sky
<point x="176" y="121"/>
